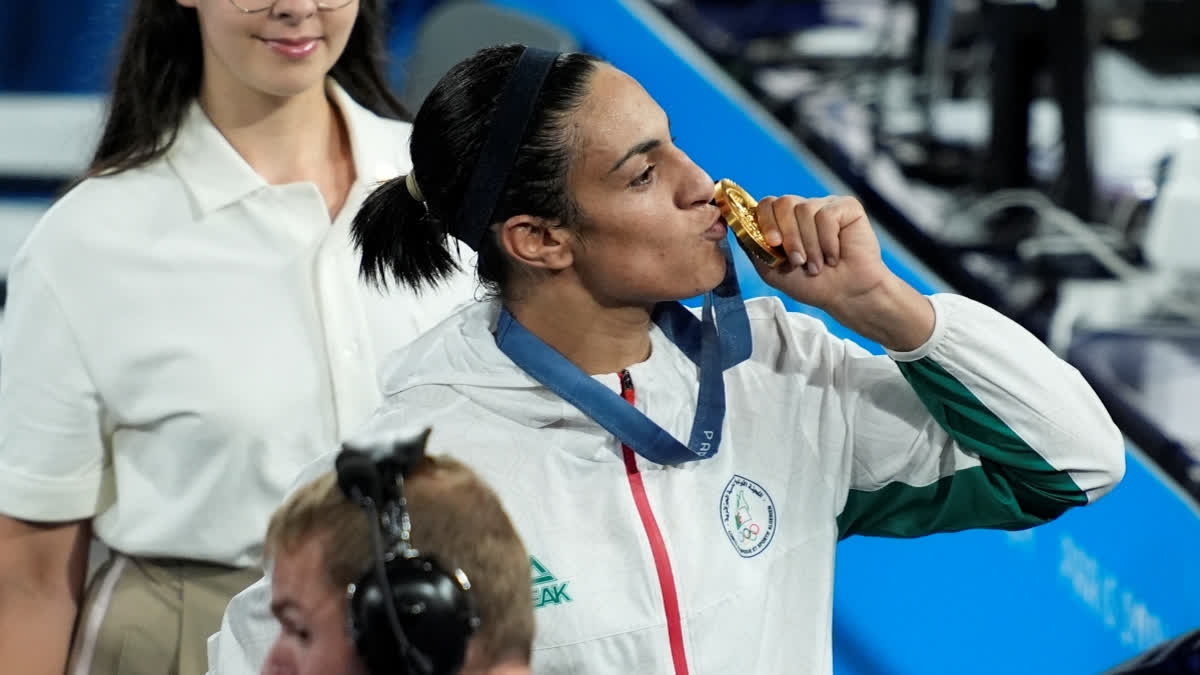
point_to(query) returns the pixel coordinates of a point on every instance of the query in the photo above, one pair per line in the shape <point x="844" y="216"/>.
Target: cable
<point x="1083" y="234"/>
<point x="407" y="653"/>
<point x="1086" y="236"/>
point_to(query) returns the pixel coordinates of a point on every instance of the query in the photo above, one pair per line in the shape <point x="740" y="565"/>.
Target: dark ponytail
<point x="400" y="240"/>
<point x="447" y="138"/>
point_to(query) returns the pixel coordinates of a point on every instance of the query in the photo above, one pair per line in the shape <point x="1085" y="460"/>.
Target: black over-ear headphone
<point x="408" y="615"/>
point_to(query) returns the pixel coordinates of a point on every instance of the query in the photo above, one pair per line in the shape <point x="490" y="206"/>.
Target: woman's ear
<point x="537" y="242"/>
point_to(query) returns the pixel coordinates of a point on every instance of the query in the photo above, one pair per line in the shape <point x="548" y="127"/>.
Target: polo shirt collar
<point x="216" y="175"/>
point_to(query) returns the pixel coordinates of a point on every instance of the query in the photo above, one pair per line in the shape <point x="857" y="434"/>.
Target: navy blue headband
<point x="513" y="110"/>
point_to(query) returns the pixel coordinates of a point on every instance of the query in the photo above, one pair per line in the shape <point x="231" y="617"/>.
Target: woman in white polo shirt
<point x="681" y="481"/>
<point x="186" y="328"/>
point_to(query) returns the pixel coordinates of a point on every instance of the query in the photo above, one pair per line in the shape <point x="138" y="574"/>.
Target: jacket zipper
<point x="658" y="548"/>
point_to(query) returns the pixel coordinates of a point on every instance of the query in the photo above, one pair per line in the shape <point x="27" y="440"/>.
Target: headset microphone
<point x="407" y="614"/>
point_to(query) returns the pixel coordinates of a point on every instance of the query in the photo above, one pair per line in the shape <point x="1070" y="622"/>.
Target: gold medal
<point x="738" y="209"/>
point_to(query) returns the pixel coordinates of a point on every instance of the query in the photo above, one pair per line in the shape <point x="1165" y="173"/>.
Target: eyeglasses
<point x="256" y="6"/>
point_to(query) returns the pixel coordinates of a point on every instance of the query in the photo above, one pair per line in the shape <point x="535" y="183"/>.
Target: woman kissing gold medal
<point x="738" y="209"/>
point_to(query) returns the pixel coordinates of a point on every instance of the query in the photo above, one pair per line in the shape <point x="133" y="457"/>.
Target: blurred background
<point x="1042" y="157"/>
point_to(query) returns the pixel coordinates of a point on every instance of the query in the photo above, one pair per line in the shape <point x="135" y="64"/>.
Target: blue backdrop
<point x="60" y="46"/>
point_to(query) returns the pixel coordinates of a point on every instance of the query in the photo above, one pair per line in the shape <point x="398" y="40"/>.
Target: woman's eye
<point x="299" y="633"/>
<point x="644" y="177"/>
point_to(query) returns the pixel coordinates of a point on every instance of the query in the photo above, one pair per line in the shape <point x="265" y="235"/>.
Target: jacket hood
<point x="460" y="354"/>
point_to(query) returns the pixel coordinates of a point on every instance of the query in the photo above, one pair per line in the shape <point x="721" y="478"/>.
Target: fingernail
<point x="812" y="268"/>
<point x="830" y="260"/>
<point x="774" y="238"/>
<point x="797" y="258"/>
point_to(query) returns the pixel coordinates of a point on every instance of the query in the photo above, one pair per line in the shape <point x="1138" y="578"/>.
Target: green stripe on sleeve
<point x="1014" y="486"/>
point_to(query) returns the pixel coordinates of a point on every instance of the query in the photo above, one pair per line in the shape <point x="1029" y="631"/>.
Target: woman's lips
<point x="297" y="48"/>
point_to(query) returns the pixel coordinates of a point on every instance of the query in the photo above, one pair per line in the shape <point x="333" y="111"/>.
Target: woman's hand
<point x="833" y="254"/>
<point x="834" y="264"/>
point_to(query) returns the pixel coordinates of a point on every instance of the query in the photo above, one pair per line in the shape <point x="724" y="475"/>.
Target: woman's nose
<point x="698" y="188"/>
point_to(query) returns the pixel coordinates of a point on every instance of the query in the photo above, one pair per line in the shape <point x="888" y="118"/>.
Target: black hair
<point x="405" y="240"/>
<point x="160" y="67"/>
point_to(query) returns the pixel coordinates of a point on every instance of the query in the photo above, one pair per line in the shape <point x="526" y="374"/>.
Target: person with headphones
<point x="185" y="328"/>
<point x="397" y="563"/>
<point x="682" y="477"/>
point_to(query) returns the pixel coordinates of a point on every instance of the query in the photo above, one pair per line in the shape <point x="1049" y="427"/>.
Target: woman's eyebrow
<point x="639" y="149"/>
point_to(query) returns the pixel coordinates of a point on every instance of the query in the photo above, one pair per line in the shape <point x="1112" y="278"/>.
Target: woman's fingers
<point x="828" y="222"/>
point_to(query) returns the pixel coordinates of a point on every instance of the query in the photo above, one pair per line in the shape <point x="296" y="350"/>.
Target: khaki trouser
<point x="145" y="616"/>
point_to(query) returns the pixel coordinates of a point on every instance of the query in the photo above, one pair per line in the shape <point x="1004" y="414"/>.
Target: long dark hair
<point x="160" y="66"/>
<point x="405" y="240"/>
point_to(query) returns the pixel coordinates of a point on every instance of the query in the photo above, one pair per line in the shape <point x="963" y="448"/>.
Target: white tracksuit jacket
<point x="982" y="426"/>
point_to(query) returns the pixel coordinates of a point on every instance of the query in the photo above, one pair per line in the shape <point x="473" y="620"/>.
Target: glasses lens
<point x="252" y="5"/>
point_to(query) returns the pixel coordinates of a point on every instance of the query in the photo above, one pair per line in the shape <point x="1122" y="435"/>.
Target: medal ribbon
<point x="717" y="341"/>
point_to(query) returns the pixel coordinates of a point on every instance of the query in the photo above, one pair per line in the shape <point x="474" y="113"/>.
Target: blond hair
<point x="455" y="517"/>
